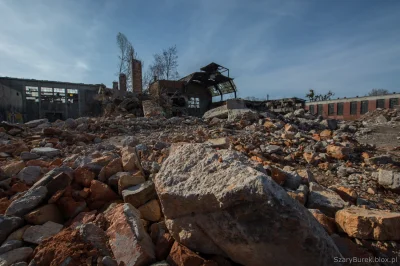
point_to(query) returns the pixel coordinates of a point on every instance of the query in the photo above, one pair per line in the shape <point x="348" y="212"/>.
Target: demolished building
<point x="23" y="100"/>
<point x="28" y="99"/>
<point x="282" y="106"/>
<point x="193" y="94"/>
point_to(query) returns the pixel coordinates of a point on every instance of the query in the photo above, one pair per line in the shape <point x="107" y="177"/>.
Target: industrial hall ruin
<point x="24" y="100"/>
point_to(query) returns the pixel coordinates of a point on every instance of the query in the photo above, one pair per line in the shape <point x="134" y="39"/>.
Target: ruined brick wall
<point x="154" y="89"/>
<point x="137" y="76"/>
<point x="151" y="109"/>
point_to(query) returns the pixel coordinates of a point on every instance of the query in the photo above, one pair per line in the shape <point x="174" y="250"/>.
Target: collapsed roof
<point x="211" y="77"/>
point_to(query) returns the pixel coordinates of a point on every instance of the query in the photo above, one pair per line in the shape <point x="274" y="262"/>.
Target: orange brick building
<point x="352" y="108"/>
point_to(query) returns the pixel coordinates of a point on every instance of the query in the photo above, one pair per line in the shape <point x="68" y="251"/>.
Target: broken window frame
<point x="32" y="93"/>
<point x="59" y="95"/>
<point x="380" y="103"/>
<point x="320" y="109"/>
<point x="364" y="107"/>
<point x="312" y="109"/>
<point x="72" y="91"/>
<point x="194" y="103"/>
<point x="72" y="96"/>
<point x="331" y="109"/>
<point x="353" y="108"/>
<point x="46" y="94"/>
<point x="340" y="107"/>
<point x="393" y="102"/>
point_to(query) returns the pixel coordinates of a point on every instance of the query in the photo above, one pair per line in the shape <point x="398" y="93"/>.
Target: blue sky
<point x="281" y="48"/>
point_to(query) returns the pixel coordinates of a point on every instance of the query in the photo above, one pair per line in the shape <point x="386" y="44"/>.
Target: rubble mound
<point x="381" y="116"/>
<point x="232" y="188"/>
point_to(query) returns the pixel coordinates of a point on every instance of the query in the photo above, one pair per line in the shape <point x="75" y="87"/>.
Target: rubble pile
<point x="128" y="104"/>
<point x="381" y="116"/>
<point x="234" y="188"/>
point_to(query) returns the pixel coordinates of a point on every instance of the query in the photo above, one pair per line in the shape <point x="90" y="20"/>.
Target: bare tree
<point x="165" y="65"/>
<point x="125" y="56"/>
<point x="170" y="60"/>
<point x="157" y="68"/>
<point x="147" y="79"/>
<point x="378" y="92"/>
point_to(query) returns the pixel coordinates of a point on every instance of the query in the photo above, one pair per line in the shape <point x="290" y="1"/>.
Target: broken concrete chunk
<point x="30" y="174"/>
<point x="301" y="194"/>
<point x="83" y="176"/>
<point x="327" y="223"/>
<point x="151" y="211"/>
<point x="139" y="194"/>
<point x="242" y="114"/>
<point x="346" y="193"/>
<point x="381" y="119"/>
<point x="35" y="123"/>
<point x="15" y="255"/>
<point x="48" y="177"/>
<point x="369" y="224"/>
<point x="110" y="169"/>
<point x="222" y="143"/>
<point x="272" y="149"/>
<point x="17" y="234"/>
<point x="389" y="179"/>
<point x="126" y="180"/>
<point x="100" y="194"/>
<point x="338" y="152"/>
<point x="10" y="245"/>
<point x="9" y="224"/>
<point x="46" y="151"/>
<point x="58" y="182"/>
<point x="244" y="212"/>
<point x="13" y="168"/>
<point x="128" y="239"/>
<point x="46" y="213"/>
<point x="27" y="202"/>
<point x="130" y="160"/>
<point x="325" y="200"/>
<point x="95" y="236"/>
<point x="36" y="234"/>
<point x="219" y="112"/>
<point x="130" y="141"/>
<point x="293" y="180"/>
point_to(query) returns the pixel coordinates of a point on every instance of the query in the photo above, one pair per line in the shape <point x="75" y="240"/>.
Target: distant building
<point x="193" y="94"/>
<point x="22" y="100"/>
<point x="352" y="108"/>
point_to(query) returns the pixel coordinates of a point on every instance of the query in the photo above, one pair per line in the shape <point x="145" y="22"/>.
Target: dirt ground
<point x="384" y="137"/>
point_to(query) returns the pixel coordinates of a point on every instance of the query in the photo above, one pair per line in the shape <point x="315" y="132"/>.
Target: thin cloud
<point x="280" y="48"/>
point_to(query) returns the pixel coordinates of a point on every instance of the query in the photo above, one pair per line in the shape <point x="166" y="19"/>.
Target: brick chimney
<point x="115" y="85"/>
<point x="136" y="76"/>
<point x="122" y="82"/>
